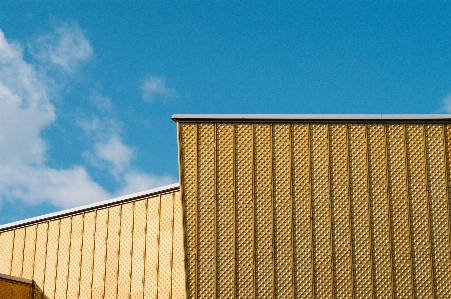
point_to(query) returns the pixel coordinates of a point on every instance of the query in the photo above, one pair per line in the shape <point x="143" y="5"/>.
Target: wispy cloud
<point x="27" y="109"/>
<point x="65" y="47"/>
<point x="446" y="104"/>
<point x="155" y="86"/>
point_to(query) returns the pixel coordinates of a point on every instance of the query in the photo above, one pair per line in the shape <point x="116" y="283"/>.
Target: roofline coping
<point x="305" y="117"/>
<point x="16" y="279"/>
<point x="89" y="206"/>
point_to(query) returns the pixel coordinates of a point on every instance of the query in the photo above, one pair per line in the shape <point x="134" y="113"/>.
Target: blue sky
<point x="87" y="88"/>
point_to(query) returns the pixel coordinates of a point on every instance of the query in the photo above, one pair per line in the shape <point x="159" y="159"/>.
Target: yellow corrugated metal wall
<point x="317" y="210"/>
<point x="132" y="250"/>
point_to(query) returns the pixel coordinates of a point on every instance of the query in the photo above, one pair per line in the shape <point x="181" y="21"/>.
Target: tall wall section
<point x="132" y="249"/>
<point x="307" y="209"/>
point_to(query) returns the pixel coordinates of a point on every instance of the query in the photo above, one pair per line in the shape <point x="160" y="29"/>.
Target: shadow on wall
<point x="38" y="293"/>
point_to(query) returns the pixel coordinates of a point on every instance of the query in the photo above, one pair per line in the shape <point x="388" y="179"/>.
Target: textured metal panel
<point x="178" y="251"/>
<point x="244" y="209"/>
<point x="112" y="254"/>
<point x="62" y="270"/>
<point x="21" y="291"/>
<point x="341" y="236"/>
<point x="441" y="251"/>
<point x="264" y="211"/>
<point x="206" y="206"/>
<point x="225" y="211"/>
<point x="152" y="247"/>
<point x="99" y="263"/>
<point x="399" y="208"/>
<point x="7" y="243"/>
<point x="378" y="183"/>
<point x="52" y="258"/>
<point x="302" y="220"/>
<point x="322" y="243"/>
<point x="165" y="249"/>
<point x="421" y="245"/>
<point x="189" y="182"/>
<point x="125" y="251"/>
<point x="76" y="244"/>
<point x="139" y="241"/>
<point x="40" y="257"/>
<point x="87" y="255"/>
<point x="361" y="217"/>
<point x="14" y="290"/>
<point x="29" y="252"/>
<point x="17" y="259"/>
<point x="283" y="211"/>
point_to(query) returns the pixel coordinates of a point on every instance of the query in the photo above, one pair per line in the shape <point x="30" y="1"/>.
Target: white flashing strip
<point x="89" y="206"/>
<point x="177" y="117"/>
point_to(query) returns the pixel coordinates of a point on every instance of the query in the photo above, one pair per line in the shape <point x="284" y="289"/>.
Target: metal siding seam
<point x="57" y="254"/>
<point x="274" y="285"/>
<point x="254" y="211"/>
<point x="81" y="252"/>
<point x="18" y="249"/>
<point x="181" y="172"/>
<point x="387" y="169"/>
<point x="448" y="220"/>
<point x="312" y="251"/>
<point x="331" y="220"/>
<point x="235" y="207"/>
<point x="158" y="246"/>
<point x="68" y="258"/>
<point x="290" y="148"/>
<point x="429" y="214"/>
<point x="370" y="210"/>
<point x="447" y="150"/>
<point x="409" y="210"/>
<point x="348" y="168"/>
<point x="23" y="252"/>
<point x="215" y="221"/>
<point x="33" y="251"/>
<point x="12" y="252"/>
<point x="106" y="252"/>
<point x="331" y="248"/>
<point x="45" y="257"/>
<point x="93" y="253"/>
<point x="145" y="243"/>
<point x="172" y="248"/>
<point x="431" y="229"/>
<point x="197" y="212"/>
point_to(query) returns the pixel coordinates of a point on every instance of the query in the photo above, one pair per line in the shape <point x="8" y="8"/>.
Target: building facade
<point x="269" y="206"/>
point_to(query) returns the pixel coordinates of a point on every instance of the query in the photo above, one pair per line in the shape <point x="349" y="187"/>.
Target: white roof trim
<point x="89" y="206"/>
<point x="311" y="117"/>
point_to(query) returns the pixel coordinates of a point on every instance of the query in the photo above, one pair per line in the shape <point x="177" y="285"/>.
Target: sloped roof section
<point x="93" y="206"/>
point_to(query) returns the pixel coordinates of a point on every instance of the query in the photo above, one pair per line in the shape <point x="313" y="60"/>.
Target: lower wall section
<point x="129" y="250"/>
<point x="14" y="288"/>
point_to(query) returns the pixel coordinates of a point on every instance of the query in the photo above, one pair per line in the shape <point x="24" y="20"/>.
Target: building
<point x="269" y="206"/>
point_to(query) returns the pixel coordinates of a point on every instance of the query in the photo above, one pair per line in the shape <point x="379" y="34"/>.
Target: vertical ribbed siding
<point x="366" y="204"/>
<point x="111" y="252"/>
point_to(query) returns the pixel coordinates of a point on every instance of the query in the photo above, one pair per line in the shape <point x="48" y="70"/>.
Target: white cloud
<point x="446" y="104"/>
<point x="154" y="86"/>
<point x="65" y="47"/>
<point x="26" y="109"/>
<point x="116" y="153"/>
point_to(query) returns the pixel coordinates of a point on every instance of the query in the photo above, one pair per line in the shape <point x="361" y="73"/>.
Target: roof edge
<point x="311" y="117"/>
<point x="16" y="279"/>
<point x="88" y="207"/>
